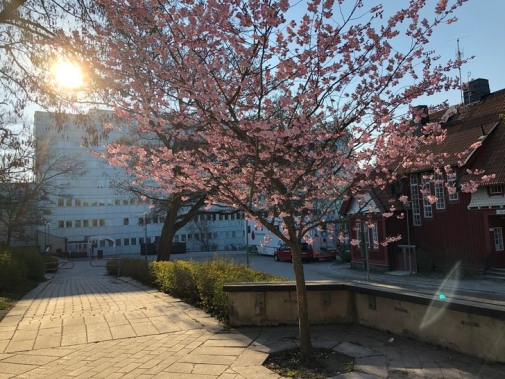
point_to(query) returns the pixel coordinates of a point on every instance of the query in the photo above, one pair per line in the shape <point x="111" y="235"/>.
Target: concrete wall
<point x="460" y="324"/>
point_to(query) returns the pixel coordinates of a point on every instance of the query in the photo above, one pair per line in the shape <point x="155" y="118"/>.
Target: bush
<point x="134" y="268"/>
<point x="20" y="268"/>
<point x="12" y="272"/>
<point x="199" y="284"/>
<point x="32" y="259"/>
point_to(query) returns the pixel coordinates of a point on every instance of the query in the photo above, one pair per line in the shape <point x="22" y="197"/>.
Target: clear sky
<point x="481" y="32"/>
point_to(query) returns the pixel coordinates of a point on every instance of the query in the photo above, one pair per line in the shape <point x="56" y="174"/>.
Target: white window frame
<point x="498" y="239"/>
<point x="451" y="182"/>
<point x="427" y="206"/>
<point x="375" y="236"/>
<point x="414" y="196"/>
<point x="439" y="191"/>
<point x="496" y="190"/>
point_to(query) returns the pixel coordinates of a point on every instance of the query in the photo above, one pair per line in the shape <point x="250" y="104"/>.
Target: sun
<point x="67" y="74"/>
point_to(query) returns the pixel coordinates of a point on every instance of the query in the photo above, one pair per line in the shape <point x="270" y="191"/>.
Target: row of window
<point x="367" y="229"/>
<point x="133" y="241"/>
<point x="426" y="190"/>
<point x="67" y="224"/>
<point x="99" y="202"/>
<point x="220" y="217"/>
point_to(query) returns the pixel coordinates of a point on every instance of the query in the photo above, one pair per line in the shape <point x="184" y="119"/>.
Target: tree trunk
<point x="303" y="309"/>
<point x="168" y="232"/>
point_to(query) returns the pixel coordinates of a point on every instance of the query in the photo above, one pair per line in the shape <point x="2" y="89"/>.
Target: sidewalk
<point x="85" y="324"/>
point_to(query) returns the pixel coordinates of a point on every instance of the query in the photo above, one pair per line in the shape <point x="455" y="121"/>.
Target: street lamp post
<point x="145" y="235"/>
<point x="407" y="205"/>
<point x="46" y="232"/>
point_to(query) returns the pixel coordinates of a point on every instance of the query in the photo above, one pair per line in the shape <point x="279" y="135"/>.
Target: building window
<point x="85" y="223"/>
<point x="94" y="222"/>
<point x="414" y="195"/>
<point x="118" y="242"/>
<point x="133" y="241"/>
<point x="117" y="202"/>
<point x="176" y="238"/>
<point x="183" y="237"/>
<point x="451" y="183"/>
<point x="427" y="207"/>
<point x="126" y="241"/>
<point x="496" y="190"/>
<point x="375" y="236"/>
<point x="77" y="223"/>
<point x="77" y="202"/>
<point x="102" y="222"/>
<point x="68" y="224"/>
<point x="68" y="202"/>
<point x="126" y="221"/>
<point x="125" y="201"/>
<point x="61" y="202"/>
<point x="85" y="203"/>
<point x="61" y="224"/>
<point x="498" y="239"/>
<point x="439" y="191"/>
<point x="233" y="233"/>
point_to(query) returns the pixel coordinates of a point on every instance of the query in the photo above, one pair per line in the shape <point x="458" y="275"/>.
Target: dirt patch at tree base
<point x="323" y="363"/>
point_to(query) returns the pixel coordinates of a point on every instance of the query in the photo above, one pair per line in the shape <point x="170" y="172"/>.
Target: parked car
<point x="283" y="253"/>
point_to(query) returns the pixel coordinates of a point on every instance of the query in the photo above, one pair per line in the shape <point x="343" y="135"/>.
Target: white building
<point x="96" y="211"/>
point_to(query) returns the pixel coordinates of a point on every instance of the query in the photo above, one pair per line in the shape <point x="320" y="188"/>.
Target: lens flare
<point x="67" y="74"/>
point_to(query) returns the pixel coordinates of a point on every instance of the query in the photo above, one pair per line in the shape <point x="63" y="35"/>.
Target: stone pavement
<point x="85" y="324"/>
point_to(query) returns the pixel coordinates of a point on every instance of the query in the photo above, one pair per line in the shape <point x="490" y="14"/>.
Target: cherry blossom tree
<point x="286" y="112"/>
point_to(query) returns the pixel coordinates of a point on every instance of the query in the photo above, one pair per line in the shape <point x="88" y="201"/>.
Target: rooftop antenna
<point x="459" y="56"/>
<point x="468" y="89"/>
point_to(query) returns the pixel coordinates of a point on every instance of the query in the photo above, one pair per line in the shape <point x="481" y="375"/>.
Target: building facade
<point x="461" y="227"/>
<point x="97" y="218"/>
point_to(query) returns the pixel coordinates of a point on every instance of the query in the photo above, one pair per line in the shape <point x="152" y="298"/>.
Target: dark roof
<point x="482" y="122"/>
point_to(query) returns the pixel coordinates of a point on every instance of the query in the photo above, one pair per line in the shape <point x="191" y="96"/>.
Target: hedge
<point x="196" y="283"/>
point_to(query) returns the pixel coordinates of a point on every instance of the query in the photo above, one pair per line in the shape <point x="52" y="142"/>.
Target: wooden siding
<point x="455" y="234"/>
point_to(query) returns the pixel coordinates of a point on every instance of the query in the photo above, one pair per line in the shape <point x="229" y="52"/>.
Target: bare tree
<point x="31" y="173"/>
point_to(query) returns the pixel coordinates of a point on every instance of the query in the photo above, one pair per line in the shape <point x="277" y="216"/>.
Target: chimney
<point x="420" y="117"/>
<point x="475" y="90"/>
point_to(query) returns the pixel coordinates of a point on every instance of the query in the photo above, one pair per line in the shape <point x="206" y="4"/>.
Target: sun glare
<point x="67" y="74"/>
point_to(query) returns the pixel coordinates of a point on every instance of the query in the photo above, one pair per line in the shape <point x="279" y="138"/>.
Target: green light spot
<point x="441" y="296"/>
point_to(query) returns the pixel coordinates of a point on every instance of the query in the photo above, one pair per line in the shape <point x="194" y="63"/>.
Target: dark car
<point x="283" y="253"/>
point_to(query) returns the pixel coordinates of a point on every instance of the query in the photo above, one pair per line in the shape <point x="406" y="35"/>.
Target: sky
<point x="480" y="30"/>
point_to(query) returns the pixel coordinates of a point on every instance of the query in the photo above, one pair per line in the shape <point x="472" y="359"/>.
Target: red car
<point x="283" y="253"/>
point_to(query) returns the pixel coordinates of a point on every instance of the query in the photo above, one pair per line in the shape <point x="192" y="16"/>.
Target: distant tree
<point x="32" y="173"/>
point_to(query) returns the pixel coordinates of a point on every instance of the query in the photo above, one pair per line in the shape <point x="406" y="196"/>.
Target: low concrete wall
<point x="461" y="324"/>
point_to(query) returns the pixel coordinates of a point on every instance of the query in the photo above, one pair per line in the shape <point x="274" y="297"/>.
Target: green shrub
<point x="199" y="284"/>
<point x="13" y="273"/>
<point x="32" y="260"/>
<point x="214" y="274"/>
<point x="177" y="279"/>
<point x="134" y="268"/>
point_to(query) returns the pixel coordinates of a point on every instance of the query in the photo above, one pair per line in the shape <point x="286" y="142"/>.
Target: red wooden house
<point x="460" y="227"/>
